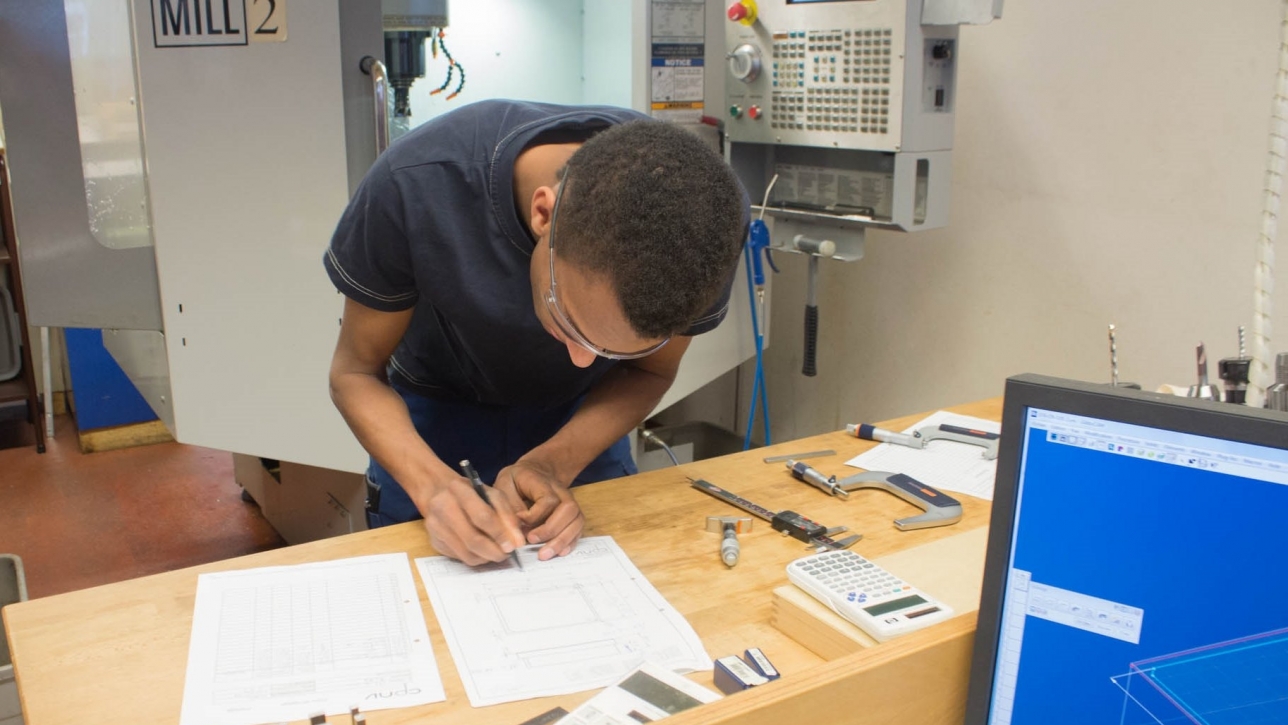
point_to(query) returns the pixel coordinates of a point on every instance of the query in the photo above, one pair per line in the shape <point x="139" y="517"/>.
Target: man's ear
<point x="543" y="205"/>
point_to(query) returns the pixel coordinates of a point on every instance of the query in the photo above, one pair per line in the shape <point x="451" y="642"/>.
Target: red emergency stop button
<point x="754" y="113"/>
<point x="742" y="11"/>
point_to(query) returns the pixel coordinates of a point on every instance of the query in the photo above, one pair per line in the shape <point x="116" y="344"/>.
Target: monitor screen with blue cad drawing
<point x="1137" y="568"/>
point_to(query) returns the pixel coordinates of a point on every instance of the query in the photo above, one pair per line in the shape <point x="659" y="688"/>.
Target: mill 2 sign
<point x="189" y="23"/>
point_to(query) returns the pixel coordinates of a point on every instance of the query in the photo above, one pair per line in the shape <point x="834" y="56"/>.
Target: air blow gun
<point x="758" y="241"/>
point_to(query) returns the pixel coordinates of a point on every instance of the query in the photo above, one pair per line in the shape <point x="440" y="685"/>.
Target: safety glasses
<point x="561" y="318"/>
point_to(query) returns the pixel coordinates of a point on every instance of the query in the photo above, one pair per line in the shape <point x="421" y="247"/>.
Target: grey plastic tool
<point x="983" y="439"/>
<point x="940" y="508"/>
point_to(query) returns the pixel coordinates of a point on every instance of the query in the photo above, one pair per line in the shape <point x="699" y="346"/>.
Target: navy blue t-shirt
<point x="434" y="226"/>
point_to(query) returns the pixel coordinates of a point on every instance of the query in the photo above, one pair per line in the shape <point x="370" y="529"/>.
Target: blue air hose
<point x="759" y="240"/>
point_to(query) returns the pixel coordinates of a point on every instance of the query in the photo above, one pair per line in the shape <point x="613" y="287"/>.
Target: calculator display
<point x="877" y="610"/>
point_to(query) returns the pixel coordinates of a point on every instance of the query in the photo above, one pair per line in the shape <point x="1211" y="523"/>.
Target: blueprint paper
<point x="572" y="623"/>
<point x="276" y="644"/>
<point x="946" y="465"/>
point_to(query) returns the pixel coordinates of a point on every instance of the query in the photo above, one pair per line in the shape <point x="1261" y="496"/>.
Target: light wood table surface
<point x="118" y="652"/>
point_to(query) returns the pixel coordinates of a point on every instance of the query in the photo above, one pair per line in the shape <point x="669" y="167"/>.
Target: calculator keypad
<point x="851" y="576"/>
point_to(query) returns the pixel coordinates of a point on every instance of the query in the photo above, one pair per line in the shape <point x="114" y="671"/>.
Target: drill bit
<point x="1113" y="357"/>
<point x="1113" y="361"/>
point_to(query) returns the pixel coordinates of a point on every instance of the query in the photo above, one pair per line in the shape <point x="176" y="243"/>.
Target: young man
<point x="521" y="282"/>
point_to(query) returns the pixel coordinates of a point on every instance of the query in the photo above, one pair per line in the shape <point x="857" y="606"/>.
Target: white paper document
<point x="279" y="643"/>
<point x="946" y="465"/>
<point x="573" y="623"/>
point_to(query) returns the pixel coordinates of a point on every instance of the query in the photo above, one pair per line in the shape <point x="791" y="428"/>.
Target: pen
<point x="481" y="490"/>
<point x="873" y="433"/>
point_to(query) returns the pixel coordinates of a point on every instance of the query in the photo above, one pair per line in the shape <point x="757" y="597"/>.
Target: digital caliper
<point x="789" y="523"/>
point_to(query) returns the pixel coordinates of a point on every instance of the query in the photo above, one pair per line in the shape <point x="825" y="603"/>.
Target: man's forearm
<point x="617" y="403"/>
<point x="379" y="419"/>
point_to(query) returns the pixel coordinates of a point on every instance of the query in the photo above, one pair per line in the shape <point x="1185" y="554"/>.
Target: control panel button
<point x="742" y="11"/>
<point x="745" y="63"/>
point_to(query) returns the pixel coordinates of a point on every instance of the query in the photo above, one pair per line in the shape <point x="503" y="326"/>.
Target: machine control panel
<point x="837" y="81"/>
<point x="866" y="75"/>
<point x="827" y="75"/>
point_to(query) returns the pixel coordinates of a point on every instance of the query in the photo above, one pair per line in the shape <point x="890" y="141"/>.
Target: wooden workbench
<point x="119" y="651"/>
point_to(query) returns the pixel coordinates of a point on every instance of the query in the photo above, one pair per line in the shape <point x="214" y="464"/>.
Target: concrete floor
<point x="80" y="520"/>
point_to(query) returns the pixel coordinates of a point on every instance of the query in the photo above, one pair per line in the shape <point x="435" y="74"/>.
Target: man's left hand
<point x="552" y="516"/>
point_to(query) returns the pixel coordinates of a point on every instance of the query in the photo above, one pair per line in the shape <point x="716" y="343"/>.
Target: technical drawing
<point x="565" y="625"/>
<point x="268" y="643"/>
<point x="560" y="607"/>
<point x="1238" y="682"/>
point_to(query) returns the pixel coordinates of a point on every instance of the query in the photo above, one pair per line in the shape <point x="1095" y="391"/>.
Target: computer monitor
<point x="1137" y="566"/>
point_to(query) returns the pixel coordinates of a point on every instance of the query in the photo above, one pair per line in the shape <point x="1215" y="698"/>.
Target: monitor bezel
<point x="1240" y="423"/>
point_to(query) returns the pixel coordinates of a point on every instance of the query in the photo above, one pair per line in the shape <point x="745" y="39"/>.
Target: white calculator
<point x="880" y="603"/>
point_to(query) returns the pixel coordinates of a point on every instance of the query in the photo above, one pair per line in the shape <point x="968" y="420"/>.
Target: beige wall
<point x="1108" y="166"/>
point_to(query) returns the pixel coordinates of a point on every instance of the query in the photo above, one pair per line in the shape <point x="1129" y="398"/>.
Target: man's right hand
<point x="462" y="526"/>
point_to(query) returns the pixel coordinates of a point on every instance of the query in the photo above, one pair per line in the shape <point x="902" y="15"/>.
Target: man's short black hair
<point x="659" y="212"/>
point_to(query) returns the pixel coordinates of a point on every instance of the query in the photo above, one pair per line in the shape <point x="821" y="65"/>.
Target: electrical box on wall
<point x="847" y="106"/>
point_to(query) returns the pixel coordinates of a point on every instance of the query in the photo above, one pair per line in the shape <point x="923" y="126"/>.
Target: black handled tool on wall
<point x="815" y="249"/>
